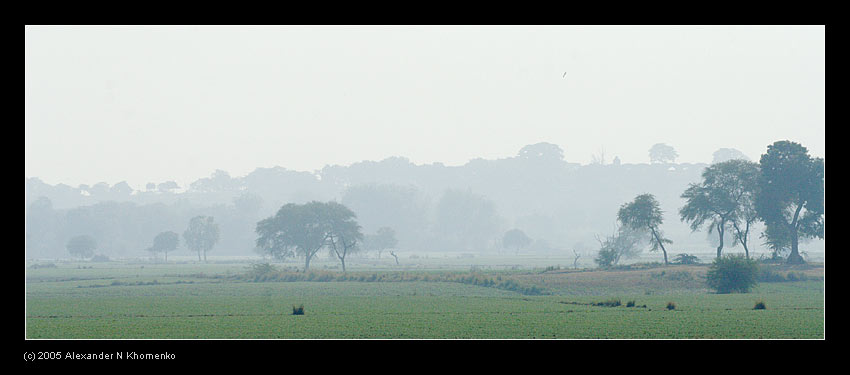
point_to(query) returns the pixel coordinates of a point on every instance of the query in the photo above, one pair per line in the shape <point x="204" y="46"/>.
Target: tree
<point x="82" y="246"/>
<point x="726" y="154"/>
<point x="344" y="232"/>
<point x="165" y="242"/>
<point x="732" y="273"/>
<point x="722" y="200"/>
<point x="466" y="221"/>
<point x="304" y="229"/>
<point x="662" y="153"/>
<point x="791" y="195"/>
<point x="515" y="239"/>
<point x="622" y="244"/>
<point x="380" y="241"/>
<point x="202" y="235"/>
<point x="542" y="151"/>
<point x="167" y="186"/>
<point x="644" y="213"/>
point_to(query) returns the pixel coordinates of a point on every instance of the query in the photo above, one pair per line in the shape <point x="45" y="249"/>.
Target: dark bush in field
<point x="732" y="273"/>
<point x="298" y="310"/>
<point x="608" y="303"/>
<point x="671" y="306"/>
<point x="686" y="259"/>
<point x="759" y="306"/>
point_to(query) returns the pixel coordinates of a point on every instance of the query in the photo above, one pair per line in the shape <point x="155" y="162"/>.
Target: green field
<point x="215" y="301"/>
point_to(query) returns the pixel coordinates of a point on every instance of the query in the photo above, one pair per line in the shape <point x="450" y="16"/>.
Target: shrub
<point x="759" y="306"/>
<point x="732" y="273"/>
<point x="671" y="306"/>
<point x="686" y="259"/>
<point x="298" y="310"/>
<point x="630" y="304"/>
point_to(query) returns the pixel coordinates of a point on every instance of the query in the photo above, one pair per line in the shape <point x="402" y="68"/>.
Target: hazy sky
<point x="153" y="103"/>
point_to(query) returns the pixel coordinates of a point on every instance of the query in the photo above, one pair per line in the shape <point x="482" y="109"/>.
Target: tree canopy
<point x="516" y="239"/>
<point x="791" y="194"/>
<point x="304" y="229"/>
<point x="82" y="246"/>
<point x="723" y="199"/>
<point x="644" y="213"/>
<point x="165" y="242"/>
<point x="662" y="153"/>
<point x="202" y="235"/>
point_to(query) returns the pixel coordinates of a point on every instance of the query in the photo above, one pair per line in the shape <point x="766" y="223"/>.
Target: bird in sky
<point x="565" y="74"/>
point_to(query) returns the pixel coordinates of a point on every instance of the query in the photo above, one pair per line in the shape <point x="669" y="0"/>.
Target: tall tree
<point x="791" y="194"/>
<point x="644" y="213"/>
<point x="722" y="199"/>
<point x="202" y="235"/>
<point x="82" y="246"/>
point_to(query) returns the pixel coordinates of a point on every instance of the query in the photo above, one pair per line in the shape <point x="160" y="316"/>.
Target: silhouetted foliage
<point x="201" y="235"/>
<point x="662" y="153"/>
<point x="791" y="195"/>
<point x="515" y="239"/>
<point x="644" y="213"/>
<point x="82" y="246"/>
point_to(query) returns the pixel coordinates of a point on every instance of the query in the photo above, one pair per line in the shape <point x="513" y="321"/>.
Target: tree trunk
<point x="663" y="250"/>
<point x="166" y="257"/>
<point x="205" y="256"/>
<point x="794" y="257"/>
<point x="343" y="264"/>
<point x="720" y="233"/>
<point x="199" y="255"/>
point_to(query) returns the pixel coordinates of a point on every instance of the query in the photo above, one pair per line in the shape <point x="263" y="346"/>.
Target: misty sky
<point x="150" y="104"/>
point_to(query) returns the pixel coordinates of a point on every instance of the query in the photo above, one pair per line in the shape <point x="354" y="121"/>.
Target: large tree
<point x="201" y="235"/>
<point x="722" y="200"/>
<point x="304" y="229"/>
<point x="644" y="213"/>
<point x="791" y="194"/>
<point x="82" y="246"/>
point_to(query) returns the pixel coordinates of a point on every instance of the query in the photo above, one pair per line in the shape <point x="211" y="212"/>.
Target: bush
<point x="732" y="273"/>
<point x="759" y="306"/>
<point x="671" y="306"/>
<point x="686" y="259"/>
<point x="298" y="310"/>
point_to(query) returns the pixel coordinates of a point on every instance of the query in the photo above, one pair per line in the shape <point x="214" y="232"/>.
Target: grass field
<point x="215" y="301"/>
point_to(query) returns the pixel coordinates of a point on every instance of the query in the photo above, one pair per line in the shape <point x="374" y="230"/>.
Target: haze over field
<point x="543" y="128"/>
<point x="150" y="104"/>
<point x="420" y="182"/>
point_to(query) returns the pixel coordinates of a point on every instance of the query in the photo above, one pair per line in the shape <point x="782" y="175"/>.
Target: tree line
<point x="784" y="190"/>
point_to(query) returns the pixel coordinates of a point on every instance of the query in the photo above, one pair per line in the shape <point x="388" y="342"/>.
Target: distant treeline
<point x="433" y="207"/>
